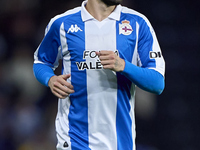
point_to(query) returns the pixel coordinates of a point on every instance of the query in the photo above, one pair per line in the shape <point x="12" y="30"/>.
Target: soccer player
<point x="106" y="50"/>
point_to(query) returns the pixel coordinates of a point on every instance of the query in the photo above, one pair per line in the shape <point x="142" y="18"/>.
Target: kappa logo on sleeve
<point x="74" y="28"/>
<point x="125" y="28"/>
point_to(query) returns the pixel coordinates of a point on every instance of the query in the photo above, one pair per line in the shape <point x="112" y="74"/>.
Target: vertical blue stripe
<point x="145" y="45"/>
<point x="123" y="120"/>
<point x="125" y="46"/>
<point x="78" y="113"/>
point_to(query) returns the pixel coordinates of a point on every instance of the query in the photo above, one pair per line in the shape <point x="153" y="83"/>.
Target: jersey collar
<point x="87" y="16"/>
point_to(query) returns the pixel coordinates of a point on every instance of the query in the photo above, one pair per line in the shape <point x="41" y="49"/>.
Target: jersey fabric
<point x="100" y="114"/>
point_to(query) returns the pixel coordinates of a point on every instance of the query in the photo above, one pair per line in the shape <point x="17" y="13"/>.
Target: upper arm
<point x="49" y="50"/>
<point x="149" y="51"/>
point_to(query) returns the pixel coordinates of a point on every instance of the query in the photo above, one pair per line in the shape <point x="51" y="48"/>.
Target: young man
<point x="107" y="50"/>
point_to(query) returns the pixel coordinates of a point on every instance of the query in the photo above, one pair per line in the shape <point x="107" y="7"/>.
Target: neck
<point x="98" y="9"/>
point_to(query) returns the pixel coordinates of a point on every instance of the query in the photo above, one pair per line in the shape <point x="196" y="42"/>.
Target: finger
<point x="58" y="95"/>
<point x="68" y="88"/>
<point x="104" y="52"/>
<point x="107" y="62"/>
<point x="63" y="81"/>
<point x="97" y="53"/>
<point x="67" y="84"/>
<point x="61" y="92"/>
<point x="65" y="76"/>
<point x="107" y="57"/>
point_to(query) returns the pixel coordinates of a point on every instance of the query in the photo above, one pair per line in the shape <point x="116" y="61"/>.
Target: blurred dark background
<point x="170" y="121"/>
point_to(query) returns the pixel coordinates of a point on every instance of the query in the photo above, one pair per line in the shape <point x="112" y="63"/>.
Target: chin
<point x="112" y="2"/>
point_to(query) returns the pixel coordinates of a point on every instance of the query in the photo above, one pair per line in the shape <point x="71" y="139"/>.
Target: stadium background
<point x="170" y="121"/>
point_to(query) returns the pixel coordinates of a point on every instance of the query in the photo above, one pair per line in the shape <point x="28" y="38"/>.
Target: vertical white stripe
<point x="65" y="52"/>
<point x="136" y="62"/>
<point x="135" y="53"/>
<point x="36" y="56"/>
<point x="62" y="122"/>
<point x="132" y="114"/>
<point x="160" y="62"/>
<point x="101" y="87"/>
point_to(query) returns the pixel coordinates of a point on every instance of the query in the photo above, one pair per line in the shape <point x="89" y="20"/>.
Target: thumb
<point x="65" y="76"/>
<point x="97" y="53"/>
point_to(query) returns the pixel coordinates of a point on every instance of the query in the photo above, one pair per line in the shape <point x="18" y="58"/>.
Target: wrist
<point x="43" y="73"/>
<point x="49" y="80"/>
<point x="122" y="65"/>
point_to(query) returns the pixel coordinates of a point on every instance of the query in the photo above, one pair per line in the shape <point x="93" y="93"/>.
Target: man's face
<point x="112" y="2"/>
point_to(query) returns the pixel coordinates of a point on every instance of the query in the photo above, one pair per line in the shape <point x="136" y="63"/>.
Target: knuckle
<point x="59" y="79"/>
<point x="53" y="89"/>
<point x="113" y="62"/>
<point x="54" y="84"/>
<point x="112" y="56"/>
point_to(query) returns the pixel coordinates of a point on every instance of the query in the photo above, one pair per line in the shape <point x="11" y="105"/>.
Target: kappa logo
<point x="125" y="28"/>
<point x="74" y="28"/>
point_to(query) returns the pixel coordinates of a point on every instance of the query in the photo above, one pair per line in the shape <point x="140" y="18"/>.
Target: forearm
<point x="43" y="73"/>
<point x="146" y="79"/>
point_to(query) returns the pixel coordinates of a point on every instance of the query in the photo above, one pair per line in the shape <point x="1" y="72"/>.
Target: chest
<point x="87" y="37"/>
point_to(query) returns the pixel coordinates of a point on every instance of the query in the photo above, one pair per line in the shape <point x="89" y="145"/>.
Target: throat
<point x="99" y="11"/>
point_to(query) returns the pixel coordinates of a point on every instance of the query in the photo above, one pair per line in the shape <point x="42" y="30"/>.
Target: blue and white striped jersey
<point x="100" y="114"/>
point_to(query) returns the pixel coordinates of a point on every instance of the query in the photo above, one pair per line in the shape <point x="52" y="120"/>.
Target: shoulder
<point x="139" y="17"/>
<point x="142" y="21"/>
<point x="57" y="20"/>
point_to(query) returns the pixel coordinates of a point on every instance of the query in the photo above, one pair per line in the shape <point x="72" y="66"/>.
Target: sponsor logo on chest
<point x="91" y="61"/>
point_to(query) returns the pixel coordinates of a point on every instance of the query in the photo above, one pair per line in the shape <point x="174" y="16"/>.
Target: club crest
<point x="125" y="28"/>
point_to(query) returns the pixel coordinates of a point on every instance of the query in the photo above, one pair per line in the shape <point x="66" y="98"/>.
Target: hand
<point x="111" y="61"/>
<point x="60" y="87"/>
